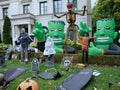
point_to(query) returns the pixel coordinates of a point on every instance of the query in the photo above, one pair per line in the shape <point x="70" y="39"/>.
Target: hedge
<point x="111" y="60"/>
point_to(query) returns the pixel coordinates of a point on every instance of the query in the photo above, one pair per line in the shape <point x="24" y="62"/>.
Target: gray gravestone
<point x="2" y="61"/>
<point x="35" y="65"/>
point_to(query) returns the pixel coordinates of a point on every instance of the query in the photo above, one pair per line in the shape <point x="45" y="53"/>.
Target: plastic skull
<point x="66" y="63"/>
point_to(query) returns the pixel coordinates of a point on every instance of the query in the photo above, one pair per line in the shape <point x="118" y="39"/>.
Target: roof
<point x="3" y="0"/>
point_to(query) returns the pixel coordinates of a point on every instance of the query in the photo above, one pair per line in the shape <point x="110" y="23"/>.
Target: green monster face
<point x="56" y="32"/>
<point x="105" y="33"/>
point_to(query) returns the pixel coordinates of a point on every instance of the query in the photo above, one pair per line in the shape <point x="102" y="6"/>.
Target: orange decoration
<point x="69" y="5"/>
<point x="28" y="85"/>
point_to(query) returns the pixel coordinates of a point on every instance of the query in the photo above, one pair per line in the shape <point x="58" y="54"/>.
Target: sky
<point x="93" y="2"/>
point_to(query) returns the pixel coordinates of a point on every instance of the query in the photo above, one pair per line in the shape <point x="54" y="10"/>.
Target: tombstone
<point x="9" y="52"/>
<point x="2" y="61"/>
<point x="35" y="65"/>
<point x="66" y="62"/>
<point x="49" y="60"/>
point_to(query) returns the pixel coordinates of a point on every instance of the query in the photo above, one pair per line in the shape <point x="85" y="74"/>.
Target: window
<point x="57" y="5"/>
<point x="26" y="8"/>
<point x="74" y="2"/>
<point x="5" y="12"/>
<point x="43" y="7"/>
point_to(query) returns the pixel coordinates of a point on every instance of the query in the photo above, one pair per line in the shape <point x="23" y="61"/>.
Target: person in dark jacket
<point x="24" y="42"/>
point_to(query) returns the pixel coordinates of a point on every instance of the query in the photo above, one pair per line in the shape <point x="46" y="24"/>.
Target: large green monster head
<point x="105" y="32"/>
<point x="56" y="31"/>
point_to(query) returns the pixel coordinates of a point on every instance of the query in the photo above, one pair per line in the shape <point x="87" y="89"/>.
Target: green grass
<point x="108" y="75"/>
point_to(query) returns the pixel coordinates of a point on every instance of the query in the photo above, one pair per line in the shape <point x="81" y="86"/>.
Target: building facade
<point x="24" y="13"/>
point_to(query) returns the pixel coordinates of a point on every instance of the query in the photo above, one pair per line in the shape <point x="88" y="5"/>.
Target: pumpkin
<point x="28" y="85"/>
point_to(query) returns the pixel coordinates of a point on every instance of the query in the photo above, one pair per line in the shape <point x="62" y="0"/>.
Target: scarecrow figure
<point x="85" y="45"/>
<point x="49" y="52"/>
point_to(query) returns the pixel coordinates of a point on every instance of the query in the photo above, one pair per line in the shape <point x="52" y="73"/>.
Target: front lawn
<point x="109" y="75"/>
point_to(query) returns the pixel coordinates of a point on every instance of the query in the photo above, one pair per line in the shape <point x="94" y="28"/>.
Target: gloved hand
<point x="83" y="28"/>
<point x="58" y="50"/>
<point x="94" y="50"/>
<point x="39" y="32"/>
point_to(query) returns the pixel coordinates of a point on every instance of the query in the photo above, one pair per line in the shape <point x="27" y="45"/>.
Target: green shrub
<point x="3" y="46"/>
<point x="71" y="43"/>
<point x="7" y="39"/>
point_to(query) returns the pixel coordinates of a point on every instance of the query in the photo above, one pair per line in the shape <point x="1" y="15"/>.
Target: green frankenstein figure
<point x="55" y="31"/>
<point x="105" y="35"/>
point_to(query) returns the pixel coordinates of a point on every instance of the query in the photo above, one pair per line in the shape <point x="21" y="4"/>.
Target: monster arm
<point x="38" y="31"/>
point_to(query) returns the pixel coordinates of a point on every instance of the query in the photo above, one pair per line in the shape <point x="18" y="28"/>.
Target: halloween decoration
<point x="24" y="42"/>
<point x="35" y="65"/>
<point x="13" y="73"/>
<point x="56" y="32"/>
<point x="14" y="56"/>
<point x="66" y="62"/>
<point x="72" y="29"/>
<point x="41" y="59"/>
<point x="49" y="52"/>
<point x="80" y="65"/>
<point x="96" y="73"/>
<point x="10" y="75"/>
<point x="2" y="61"/>
<point x="51" y="73"/>
<point x="57" y="35"/>
<point x="3" y="84"/>
<point x="105" y="35"/>
<point x="85" y="45"/>
<point x="77" y="80"/>
<point x="9" y="52"/>
<point x="1" y="76"/>
<point x="28" y="85"/>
